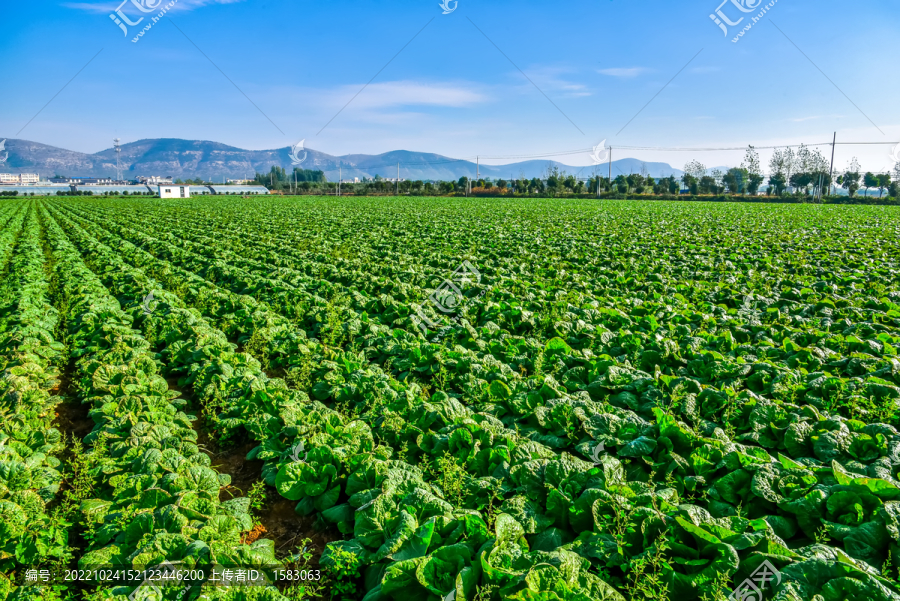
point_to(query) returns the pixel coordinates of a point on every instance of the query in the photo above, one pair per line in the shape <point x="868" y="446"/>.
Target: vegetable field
<point x="456" y="399"/>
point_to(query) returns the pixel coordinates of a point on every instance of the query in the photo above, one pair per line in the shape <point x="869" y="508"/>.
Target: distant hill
<point x="214" y="161"/>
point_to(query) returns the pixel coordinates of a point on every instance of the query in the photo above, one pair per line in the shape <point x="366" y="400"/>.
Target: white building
<point x="22" y="179"/>
<point x="172" y="191"/>
<point x="239" y="182"/>
<point x="154" y="180"/>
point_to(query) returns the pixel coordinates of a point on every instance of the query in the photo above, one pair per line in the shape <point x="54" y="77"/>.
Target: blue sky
<point x="589" y="68"/>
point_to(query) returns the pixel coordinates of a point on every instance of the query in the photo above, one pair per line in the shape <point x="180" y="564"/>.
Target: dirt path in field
<point x="277" y="519"/>
<point x="73" y="423"/>
<point x="71" y="416"/>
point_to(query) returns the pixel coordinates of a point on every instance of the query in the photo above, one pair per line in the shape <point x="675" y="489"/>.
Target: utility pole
<point x="340" y="177"/>
<point x="831" y="173"/>
<point x="610" y="163"/>
<point x="118" y="152"/>
<point x="477" y="167"/>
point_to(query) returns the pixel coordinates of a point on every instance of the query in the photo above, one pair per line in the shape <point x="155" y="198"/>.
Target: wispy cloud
<point x="108" y="7"/>
<point x="410" y="93"/>
<point x="815" y="117"/>
<point x="553" y="79"/>
<point x="623" y="72"/>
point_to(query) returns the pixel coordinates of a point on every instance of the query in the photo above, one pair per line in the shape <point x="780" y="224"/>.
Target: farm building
<point x="174" y="191"/>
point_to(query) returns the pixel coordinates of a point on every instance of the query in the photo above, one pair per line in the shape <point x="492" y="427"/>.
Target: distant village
<point x="31" y="184"/>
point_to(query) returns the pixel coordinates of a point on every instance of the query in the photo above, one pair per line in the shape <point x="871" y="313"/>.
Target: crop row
<point x="12" y="219"/>
<point x="31" y="534"/>
<point x="155" y="497"/>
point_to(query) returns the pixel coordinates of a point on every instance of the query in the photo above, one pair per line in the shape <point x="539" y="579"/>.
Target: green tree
<point x="691" y="183"/>
<point x="870" y="180"/>
<point x="673" y="185"/>
<point x="707" y="185"/>
<point x="553" y="184"/>
<point x="754" y="182"/>
<point x="801" y="180"/>
<point x="821" y="180"/>
<point x="736" y="180"/>
<point x="778" y="182"/>
<point x="850" y="182"/>
<point x="850" y="179"/>
<point x="884" y="181"/>
<point x="894" y="190"/>
<point x="635" y="182"/>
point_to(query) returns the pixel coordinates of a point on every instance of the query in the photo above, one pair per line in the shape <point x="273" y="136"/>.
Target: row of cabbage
<point x="31" y="534"/>
<point x="622" y="387"/>
<point x="154" y="497"/>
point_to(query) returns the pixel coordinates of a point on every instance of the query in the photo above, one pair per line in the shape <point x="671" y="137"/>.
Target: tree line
<point x="803" y="172"/>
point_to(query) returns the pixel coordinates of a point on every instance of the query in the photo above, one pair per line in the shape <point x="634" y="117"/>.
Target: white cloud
<point x="128" y="8"/>
<point x="623" y="72"/>
<point x="550" y="79"/>
<point x="814" y="117"/>
<point x="407" y="93"/>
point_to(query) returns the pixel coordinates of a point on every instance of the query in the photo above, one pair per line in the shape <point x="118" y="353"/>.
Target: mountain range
<point x="213" y="161"/>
